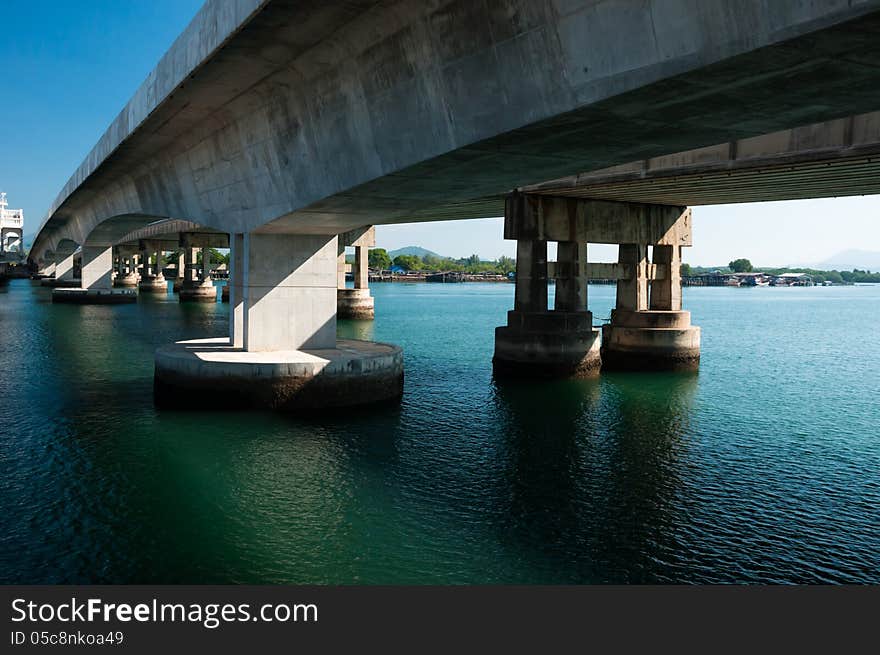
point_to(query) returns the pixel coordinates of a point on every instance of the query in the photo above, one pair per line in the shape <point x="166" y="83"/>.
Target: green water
<point x="764" y="467"/>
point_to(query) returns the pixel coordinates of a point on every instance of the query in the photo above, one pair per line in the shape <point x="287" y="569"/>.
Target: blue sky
<point x="68" y="67"/>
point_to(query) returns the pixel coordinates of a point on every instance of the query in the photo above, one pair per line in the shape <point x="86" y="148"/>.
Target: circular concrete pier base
<point x="94" y="296"/>
<point x="156" y="284"/>
<point x="355" y="304"/>
<point x="197" y="292"/>
<point x="650" y="341"/>
<point x="547" y="345"/>
<point x="209" y="373"/>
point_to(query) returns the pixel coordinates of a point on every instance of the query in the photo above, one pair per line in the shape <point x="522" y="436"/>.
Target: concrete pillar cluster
<point x="648" y="329"/>
<point x="197" y="284"/>
<point x="126" y="273"/>
<point x="356" y="303"/>
<point x="96" y="279"/>
<point x="151" y="278"/>
<point x="538" y="341"/>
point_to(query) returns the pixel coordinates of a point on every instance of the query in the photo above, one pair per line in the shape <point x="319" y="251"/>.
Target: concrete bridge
<point x="286" y="124"/>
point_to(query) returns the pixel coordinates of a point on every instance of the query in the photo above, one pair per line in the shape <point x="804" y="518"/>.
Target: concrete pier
<point x="96" y="286"/>
<point x="151" y="279"/>
<point x="63" y="269"/>
<point x="196" y="373"/>
<point x="650" y="340"/>
<point x="652" y="333"/>
<point x="197" y="285"/>
<point x="126" y="270"/>
<point x="648" y="329"/>
<point x="282" y="352"/>
<point x="537" y="341"/>
<point x="355" y="303"/>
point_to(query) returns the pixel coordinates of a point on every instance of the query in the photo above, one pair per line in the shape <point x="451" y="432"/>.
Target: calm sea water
<point x="764" y="467"/>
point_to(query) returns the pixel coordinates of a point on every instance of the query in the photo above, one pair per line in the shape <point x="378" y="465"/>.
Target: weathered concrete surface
<point x="547" y="345"/>
<point x="650" y="341"/>
<point x="195" y="374"/>
<point x="537" y="342"/>
<point x="321" y="117"/>
<point x="197" y="291"/>
<point x="355" y="304"/>
<point x="129" y="280"/>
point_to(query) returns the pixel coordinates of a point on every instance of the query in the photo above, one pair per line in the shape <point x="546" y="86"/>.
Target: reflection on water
<point x="590" y="475"/>
<point x="764" y="467"/>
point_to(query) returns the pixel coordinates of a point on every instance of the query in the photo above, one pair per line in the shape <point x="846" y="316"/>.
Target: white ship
<point x="11" y="229"/>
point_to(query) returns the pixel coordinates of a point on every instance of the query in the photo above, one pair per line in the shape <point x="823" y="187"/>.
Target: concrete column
<point x="152" y="280"/>
<point x="97" y="265"/>
<point x="126" y="276"/>
<point x="181" y="266"/>
<point x="632" y="293"/>
<point x="354" y="303"/>
<point x="236" y="290"/>
<point x="197" y="285"/>
<point x="191" y="273"/>
<point x="361" y="268"/>
<point x="531" y="276"/>
<point x="340" y="269"/>
<point x="538" y="342"/>
<point x="206" y="265"/>
<point x="571" y="277"/>
<point x="666" y="292"/>
<point x="289" y="292"/>
<point x="96" y="283"/>
<point x="64" y="267"/>
<point x="282" y="351"/>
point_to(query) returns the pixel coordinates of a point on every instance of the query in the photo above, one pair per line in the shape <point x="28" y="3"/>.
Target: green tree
<point x="217" y="257"/>
<point x="379" y="258"/>
<point x="408" y="262"/>
<point x="740" y="266"/>
<point x="686" y="270"/>
<point x="506" y="265"/>
<point x="834" y="276"/>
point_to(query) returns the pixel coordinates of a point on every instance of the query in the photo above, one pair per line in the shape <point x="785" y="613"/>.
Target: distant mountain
<point x="850" y="259"/>
<point x="418" y="251"/>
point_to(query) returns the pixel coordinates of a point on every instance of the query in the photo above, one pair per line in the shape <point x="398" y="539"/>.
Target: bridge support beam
<point x="282" y="351"/>
<point x="356" y="303"/>
<point x="96" y="281"/>
<point x="538" y="342"/>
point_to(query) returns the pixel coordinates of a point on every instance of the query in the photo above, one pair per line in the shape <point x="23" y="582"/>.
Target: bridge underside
<point x="834" y="158"/>
<point x="319" y="120"/>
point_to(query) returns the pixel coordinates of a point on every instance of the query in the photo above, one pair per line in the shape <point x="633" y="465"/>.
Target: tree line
<point x="743" y="265"/>
<point x="380" y="259"/>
